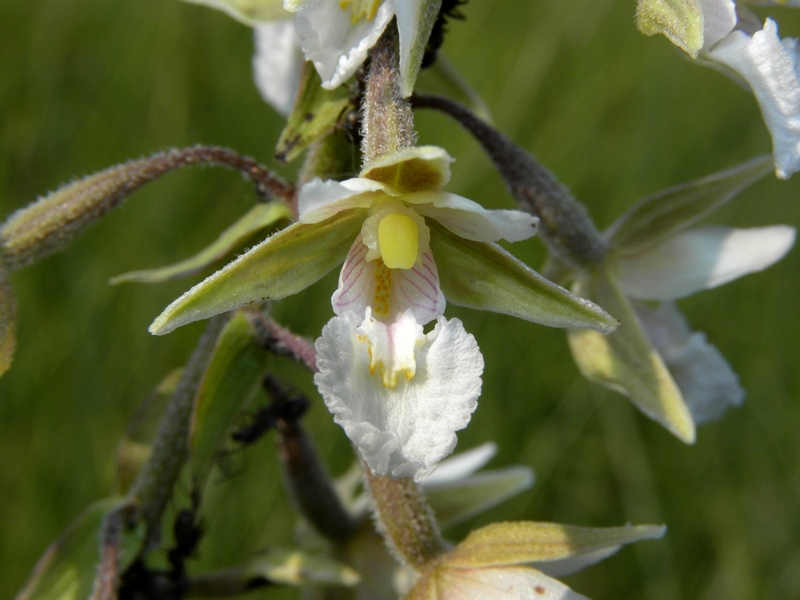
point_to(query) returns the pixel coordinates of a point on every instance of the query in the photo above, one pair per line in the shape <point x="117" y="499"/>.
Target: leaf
<point x="528" y="542"/>
<point x="257" y="218"/>
<point x="68" y="567"/>
<point x="134" y="449"/>
<point x="626" y="361"/>
<point x="8" y="321"/>
<point x="486" y="277"/>
<point x="232" y="376"/>
<point x="443" y="79"/>
<point x="249" y="12"/>
<point x="669" y="212"/>
<point x="457" y="501"/>
<point x="680" y="20"/>
<point x="282" y="265"/>
<point x="296" y="568"/>
<point x="315" y="114"/>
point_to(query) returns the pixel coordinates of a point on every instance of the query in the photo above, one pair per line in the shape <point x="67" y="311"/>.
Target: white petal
<point x="719" y="19"/>
<point x="277" y="63"/>
<point x="335" y="45"/>
<point x="501" y="583"/>
<point x="319" y="200"/>
<point x="708" y="383"/>
<point x="415" y="19"/>
<point x="700" y="259"/>
<point x="573" y="564"/>
<point x="769" y="67"/>
<point x="461" y="465"/>
<point x="470" y="220"/>
<point x="407" y="430"/>
<point x="416" y="289"/>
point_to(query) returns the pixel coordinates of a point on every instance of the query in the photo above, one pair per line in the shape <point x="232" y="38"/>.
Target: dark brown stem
<point x="564" y="223"/>
<point x="229" y="582"/>
<point x="107" y="580"/>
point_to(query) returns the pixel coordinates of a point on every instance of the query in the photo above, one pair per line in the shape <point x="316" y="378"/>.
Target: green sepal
<point x="415" y="21"/>
<point x="626" y="361"/>
<point x="231" y="378"/>
<point x="663" y="215"/>
<point x="520" y="542"/>
<point x="680" y="20"/>
<point x="249" y="12"/>
<point x="68" y="567"/>
<point x="256" y="219"/>
<point x="282" y="265"/>
<point x="292" y="567"/>
<point x="315" y="113"/>
<point x="456" y="502"/>
<point x="135" y="448"/>
<point x="443" y="79"/>
<point x="8" y="321"/>
<point x="486" y="277"/>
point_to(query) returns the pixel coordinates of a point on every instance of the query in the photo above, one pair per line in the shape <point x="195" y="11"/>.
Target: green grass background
<point x="614" y="114"/>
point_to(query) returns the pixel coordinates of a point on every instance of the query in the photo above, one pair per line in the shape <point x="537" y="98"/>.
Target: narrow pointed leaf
<point x="626" y="361"/>
<point x="529" y="542"/>
<point x="249" y="12"/>
<point x="8" y="321"/>
<point x="67" y="569"/>
<point x="257" y="218"/>
<point x="484" y="276"/>
<point x="315" y="114"/>
<point x="671" y="211"/>
<point x="233" y="374"/>
<point x="134" y="449"/>
<point x="680" y="20"/>
<point x="282" y="265"/>
<point x="458" y="501"/>
<point x="443" y="78"/>
<point x="293" y="567"/>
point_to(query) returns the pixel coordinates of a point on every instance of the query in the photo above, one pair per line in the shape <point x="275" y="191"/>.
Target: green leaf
<point x="315" y="114"/>
<point x="293" y="567"/>
<point x="680" y="20"/>
<point x="443" y="79"/>
<point x="134" y="449"/>
<point x="8" y="321"/>
<point x="282" y="265"/>
<point x="458" y="501"/>
<point x="68" y="567"/>
<point x="484" y="276"/>
<point x="527" y="542"/>
<point x="669" y="212"/>
<point x="626" y="361"/>
<point x="249" y="12"/>
<point x="233" y="375"/>
<point x="257" y="218"/>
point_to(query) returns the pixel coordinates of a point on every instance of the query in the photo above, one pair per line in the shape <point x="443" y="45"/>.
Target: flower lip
<point x="422" y="168"/>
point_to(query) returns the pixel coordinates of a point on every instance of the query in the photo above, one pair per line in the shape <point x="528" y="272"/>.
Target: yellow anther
<point x="360" y="9"/>
<point x="398" y="240"/>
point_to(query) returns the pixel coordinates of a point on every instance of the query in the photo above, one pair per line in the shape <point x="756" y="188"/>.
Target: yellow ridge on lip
<point x="360" y="9"/>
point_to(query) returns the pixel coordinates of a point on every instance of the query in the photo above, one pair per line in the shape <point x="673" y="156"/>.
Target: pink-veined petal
<point x="403" y="431"/>
<point x="470" y="220"/>
<point x="415" y="289"/>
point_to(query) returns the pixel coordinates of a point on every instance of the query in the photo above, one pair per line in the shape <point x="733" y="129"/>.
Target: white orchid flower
<point x="336" y="35"/>
<point x="695" y="260"/>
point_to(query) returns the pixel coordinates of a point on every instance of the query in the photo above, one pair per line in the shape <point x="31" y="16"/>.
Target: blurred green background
<point x="616" y="115"/>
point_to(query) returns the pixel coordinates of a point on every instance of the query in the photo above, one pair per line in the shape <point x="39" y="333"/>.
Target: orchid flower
<point x="726" y="35"/>
<point x="672" y="374"/>
<point x="336" y="35"/>
<point x="399" y="393"/>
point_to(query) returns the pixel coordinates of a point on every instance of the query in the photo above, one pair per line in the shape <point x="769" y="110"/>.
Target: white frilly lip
<point x="406" y="430"/>
<point x="708" y="383"/>
<point x="416" y="289"/>
<point x="329" y="39"/>
<point x="769" y="66"/>
<point x="501" y="583"/>
<point x="277" y="63"/>
<point x="701" y="258"/>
